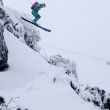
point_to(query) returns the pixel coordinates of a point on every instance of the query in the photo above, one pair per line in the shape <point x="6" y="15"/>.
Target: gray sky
<point x="81" y="25"/>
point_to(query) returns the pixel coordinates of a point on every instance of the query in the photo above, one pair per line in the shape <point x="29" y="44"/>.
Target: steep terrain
<point x="41" y="85"/>
<point x="31" y="78"/>
<point x="38" y="84"/>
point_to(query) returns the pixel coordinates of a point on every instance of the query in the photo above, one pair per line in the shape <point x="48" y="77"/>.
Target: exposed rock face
<point x="3" y="47"/>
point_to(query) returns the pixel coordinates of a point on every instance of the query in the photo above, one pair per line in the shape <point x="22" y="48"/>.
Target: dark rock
<point x="3" y="50"/>
<point x="2" y="100"/>
<point x="2" y="13"/>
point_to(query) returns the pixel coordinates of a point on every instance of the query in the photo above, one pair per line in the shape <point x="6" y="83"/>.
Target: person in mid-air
<point x="35" y="9"/>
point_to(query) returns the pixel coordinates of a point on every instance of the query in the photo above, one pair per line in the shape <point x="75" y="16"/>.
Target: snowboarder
<point x="35" y="9"/>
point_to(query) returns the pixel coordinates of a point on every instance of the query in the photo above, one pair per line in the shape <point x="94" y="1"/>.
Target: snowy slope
<point x="22" y="59"/>
<point x="31" y="78"/>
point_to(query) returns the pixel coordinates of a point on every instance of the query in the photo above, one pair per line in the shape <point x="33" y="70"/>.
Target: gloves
<point x="43" y="5"/>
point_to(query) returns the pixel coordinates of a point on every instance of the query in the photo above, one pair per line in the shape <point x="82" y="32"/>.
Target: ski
<point x="45" y="29"/>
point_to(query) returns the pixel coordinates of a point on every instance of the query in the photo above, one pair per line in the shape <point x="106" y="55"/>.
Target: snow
<point x="23" y="62"/>
<point x="31" y="78"/>
<point x="51" y="96"/>
<point x="84" y="27"/>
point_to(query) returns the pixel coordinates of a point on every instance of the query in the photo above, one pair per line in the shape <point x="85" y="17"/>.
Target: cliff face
<point x="3" y="47"/>
<point x="11" y="20"/>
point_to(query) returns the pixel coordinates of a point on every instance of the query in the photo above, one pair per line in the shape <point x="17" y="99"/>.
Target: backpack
<point x="33" y="6"/>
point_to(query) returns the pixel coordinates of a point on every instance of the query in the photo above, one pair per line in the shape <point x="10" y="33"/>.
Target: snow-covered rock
<point x="69" y="67"/>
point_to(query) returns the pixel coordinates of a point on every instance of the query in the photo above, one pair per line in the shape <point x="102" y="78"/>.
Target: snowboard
<point x="45" y="29"/>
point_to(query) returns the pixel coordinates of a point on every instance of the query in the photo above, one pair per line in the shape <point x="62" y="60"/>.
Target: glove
<point x="43" y="5"/>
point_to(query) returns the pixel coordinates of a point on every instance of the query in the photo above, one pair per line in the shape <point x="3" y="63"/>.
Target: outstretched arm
<point x="39" y="6"/>
<point x="42" y="5"/>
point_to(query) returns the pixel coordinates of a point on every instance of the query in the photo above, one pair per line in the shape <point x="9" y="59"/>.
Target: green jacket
<point x="39" y="6"/>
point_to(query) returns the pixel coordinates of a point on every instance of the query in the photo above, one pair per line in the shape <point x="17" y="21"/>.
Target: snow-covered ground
<point x="81" y="26"/>
<point x="31" y="78"/>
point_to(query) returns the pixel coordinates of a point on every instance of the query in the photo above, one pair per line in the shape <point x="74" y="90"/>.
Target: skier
<point x="35" y="9"/>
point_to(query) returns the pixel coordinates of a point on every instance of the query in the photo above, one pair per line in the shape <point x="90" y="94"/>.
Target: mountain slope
<point x="31" y="78"/>
<point x="35" y="81"/>
<point x="23" y="62"/>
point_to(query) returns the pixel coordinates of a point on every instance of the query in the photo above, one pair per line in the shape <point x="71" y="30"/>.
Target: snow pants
<point x="36" y="15"/>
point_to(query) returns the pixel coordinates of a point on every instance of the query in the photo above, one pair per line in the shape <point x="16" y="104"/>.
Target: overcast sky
<point x="81" y="25"/>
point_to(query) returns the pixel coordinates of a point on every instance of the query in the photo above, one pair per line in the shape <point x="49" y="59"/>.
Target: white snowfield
<point x="31" y="78"/>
